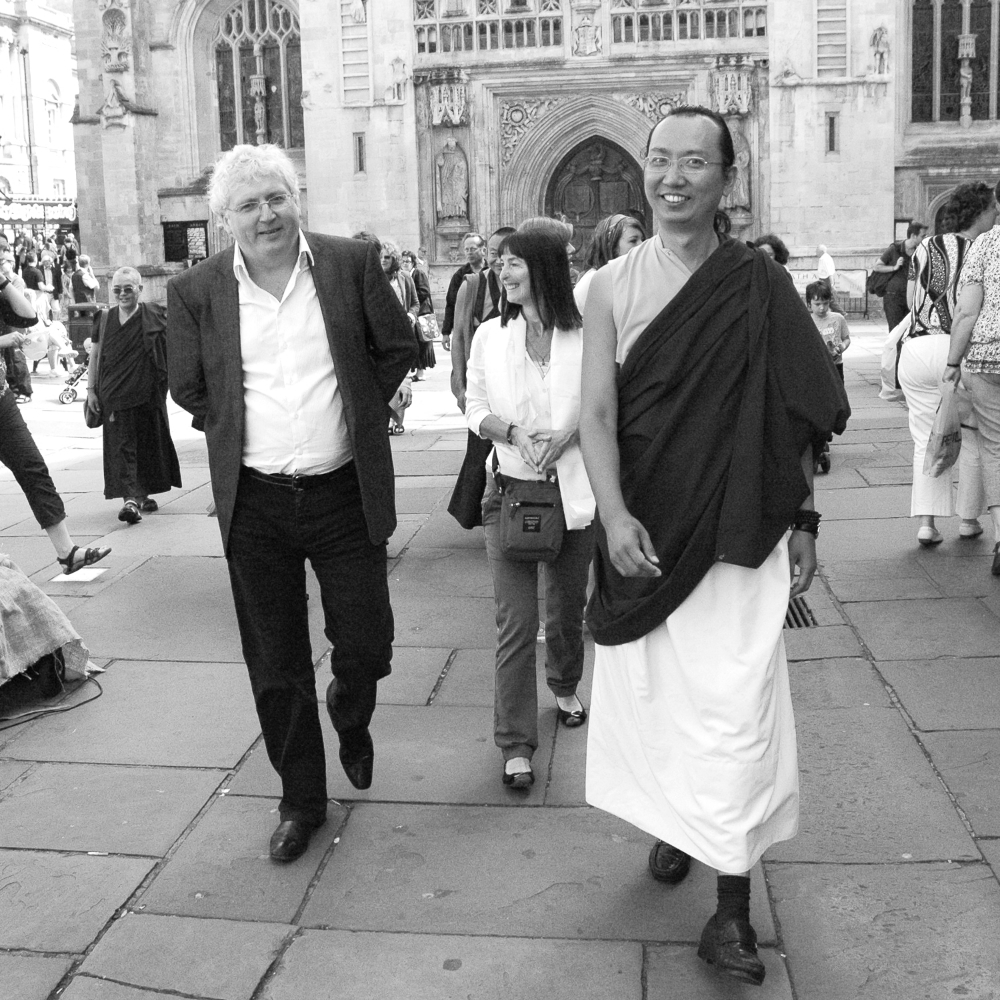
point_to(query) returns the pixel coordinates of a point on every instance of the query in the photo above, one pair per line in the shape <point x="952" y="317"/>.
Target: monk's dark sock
<point x="734" y="898"/>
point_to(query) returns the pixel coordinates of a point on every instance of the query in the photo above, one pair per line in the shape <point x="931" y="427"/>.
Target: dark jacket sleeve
<point x="449" y="301"/>
<point x="154" y="331"/>
<point x="10" y="318"/>
<point x="185" y="373"/>
<point x="423" y="287"/>
<point x="389" y="332"/>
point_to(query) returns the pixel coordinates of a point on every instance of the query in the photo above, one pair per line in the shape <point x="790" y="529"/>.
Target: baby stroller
<point x="68" y="395"/>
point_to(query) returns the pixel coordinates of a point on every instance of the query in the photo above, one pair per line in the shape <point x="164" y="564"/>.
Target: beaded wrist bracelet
<point x="807" y="520"/>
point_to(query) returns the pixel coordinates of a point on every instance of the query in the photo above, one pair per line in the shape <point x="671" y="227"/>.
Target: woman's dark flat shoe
<point x="521" y="780"/>
<point x="732" y="948"/>
<point x="668" y="863"/>
<point x="572" y="719"/>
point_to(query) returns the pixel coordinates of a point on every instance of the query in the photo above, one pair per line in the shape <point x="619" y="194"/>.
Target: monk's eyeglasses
<point x="123" y="289"/>
<point x="690" y="166"/>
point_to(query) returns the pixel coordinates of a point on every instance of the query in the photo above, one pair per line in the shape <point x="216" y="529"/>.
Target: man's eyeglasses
<point x="122" y="289"/>
<point x="275" y="203"/>
<point x="690" y="166"/>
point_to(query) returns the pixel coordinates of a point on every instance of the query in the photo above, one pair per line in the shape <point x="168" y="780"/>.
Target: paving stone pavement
<point x="134" y="828"/>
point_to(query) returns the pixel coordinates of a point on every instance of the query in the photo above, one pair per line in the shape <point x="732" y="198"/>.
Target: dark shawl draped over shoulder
<point x="717" y="401"/>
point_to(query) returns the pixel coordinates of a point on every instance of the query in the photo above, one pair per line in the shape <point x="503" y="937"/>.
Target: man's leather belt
<point x="297" y="482"/>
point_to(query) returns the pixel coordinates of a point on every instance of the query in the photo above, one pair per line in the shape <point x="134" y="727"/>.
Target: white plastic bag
<point x="945" y="441"/>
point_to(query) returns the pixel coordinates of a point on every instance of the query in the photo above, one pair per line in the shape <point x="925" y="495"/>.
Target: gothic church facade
<point x="423" y="119"/>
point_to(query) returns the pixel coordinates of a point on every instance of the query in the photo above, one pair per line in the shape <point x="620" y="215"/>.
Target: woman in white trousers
<point x="934" y="274"/>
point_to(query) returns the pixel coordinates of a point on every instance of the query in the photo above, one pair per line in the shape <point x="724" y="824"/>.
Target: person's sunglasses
<point x="123" y="289"/>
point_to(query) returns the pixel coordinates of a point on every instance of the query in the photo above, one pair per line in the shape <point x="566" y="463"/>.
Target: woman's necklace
<point x="541" y="360"/>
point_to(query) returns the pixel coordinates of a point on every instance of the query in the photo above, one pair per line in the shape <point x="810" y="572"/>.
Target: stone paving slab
<point x="470" y="679"/>
<point x="948" y="693"/>
<point x="898" y="475"/>
<point x="864" y="539"/>
<point x="897" y="434"/>
<point x="115" y="569"/>
<point x="420" y="501"/>
<point x="964" y="575"/>
<point x="87" y="988"/>
<point x="333" y="965"/>
<point x="869" y="502"/>
<point x="194" y="501"/>
<point x="821" y="643"/>
<point x="176" y="536"/>
<point x="90" y="807"/>
<point x="25" y="978"/>
<point x="889" y="932"/>
<point x="921" y="629"/>
<point x="468" y="623"/>
<point x="991" y="851"/>
<point x="10" y="771"/>
<point x="969" y="763"/>
<point x="223" y="868"/>
<point x="406" y="528"/>
<point x="838" y="478"/>
<point x="420" y="482"/>
<point x="36" y="553"/>
<point x="567" y="778"/>
<point x="415" y="671"/>
<point x="168" y="609"/>
<point x="536" y="873"/>
<point x="820" y="602"/>
<point x="421" y="755"/>
<point x="441" y="531"/>
<point x="673" y="971"/>
<point x="443" y="573"/>
<point x="169" y="714"/>
<point x="60" y="902"/>
<point x="427" y="463"/>
<point x="868" y="794"/>
<point x="879" y="579"/>
<point x="836" y="683"/>
<point x="217" y="959"/>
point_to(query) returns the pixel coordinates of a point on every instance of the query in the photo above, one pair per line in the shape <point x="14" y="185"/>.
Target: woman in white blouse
<point x="523" y="394"/>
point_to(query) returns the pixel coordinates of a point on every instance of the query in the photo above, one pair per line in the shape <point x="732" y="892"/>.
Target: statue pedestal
<point x="448" y="239"/>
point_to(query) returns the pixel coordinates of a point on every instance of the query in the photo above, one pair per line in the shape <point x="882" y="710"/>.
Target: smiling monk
<point x="705" y="385"/>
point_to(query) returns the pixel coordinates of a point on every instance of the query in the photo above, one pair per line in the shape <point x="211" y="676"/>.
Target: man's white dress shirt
<point x="294" y="410"/>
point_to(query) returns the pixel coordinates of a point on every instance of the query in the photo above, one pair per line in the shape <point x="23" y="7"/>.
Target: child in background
<point x="832" y="326"/>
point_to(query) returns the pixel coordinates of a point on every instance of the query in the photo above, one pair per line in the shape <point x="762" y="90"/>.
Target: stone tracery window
<point x="953" y="69"/>
<point x="485" y="25"/>
<point x="259" y="75"/>
<point x="667" y="20"/>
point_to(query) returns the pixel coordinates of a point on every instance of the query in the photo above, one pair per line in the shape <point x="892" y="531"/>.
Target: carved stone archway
<point x="598" y="178"/>
<point x="534" y="146"/>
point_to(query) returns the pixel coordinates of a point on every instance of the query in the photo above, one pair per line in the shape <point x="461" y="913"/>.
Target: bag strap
<point x="497" y="477"/>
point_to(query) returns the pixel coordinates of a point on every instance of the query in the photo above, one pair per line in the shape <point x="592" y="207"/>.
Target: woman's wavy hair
<point x="607" y="235"/>
<point x="776" y="243"/>
<point x="966" y="204"/>
<point x="544" y="253"/>
<point x="557" y="226"/>
<point x="726" y="148"/>
<point x="392" y="249"/>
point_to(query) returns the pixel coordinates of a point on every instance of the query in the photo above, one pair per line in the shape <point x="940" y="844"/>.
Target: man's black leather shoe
<point x="732" y="948"/>
<point x="290" y="840"/>
<point x="357" y="756"/>
<point x="668" y="863"/>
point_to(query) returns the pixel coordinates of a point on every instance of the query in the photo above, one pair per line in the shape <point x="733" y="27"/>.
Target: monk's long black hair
<point x="544" y="252"/>
<point x="726" y="148"/>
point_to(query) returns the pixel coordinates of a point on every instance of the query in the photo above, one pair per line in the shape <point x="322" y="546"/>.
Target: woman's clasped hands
<point x="542" y="448"/>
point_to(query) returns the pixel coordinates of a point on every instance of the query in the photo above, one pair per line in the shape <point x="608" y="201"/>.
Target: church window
<point x="694" y="20"/>
<point x="495" y="24"/>
<point x="52" y="113"/>
<point x="360" y="153"/>
<point x="832" y="132"/>
<point x="258" y="66"/>
<point x="953" y="60"/>
<point x="426" y="12"/>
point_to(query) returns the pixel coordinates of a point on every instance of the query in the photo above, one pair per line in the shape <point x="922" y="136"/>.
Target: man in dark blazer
<point x="286" y="349"/>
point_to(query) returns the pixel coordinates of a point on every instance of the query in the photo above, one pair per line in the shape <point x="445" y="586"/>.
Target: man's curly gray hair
<point x="245" y="164"/>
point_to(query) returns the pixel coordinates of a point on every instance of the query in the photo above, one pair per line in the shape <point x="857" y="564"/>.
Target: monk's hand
<point x="801" y="561"/>
<point x="550" y="445"/>
<point x="630" y="547"/>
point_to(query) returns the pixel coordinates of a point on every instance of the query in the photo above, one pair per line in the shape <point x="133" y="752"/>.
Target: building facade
<point x="37" y="94"/>
<point x="423" y="119"/>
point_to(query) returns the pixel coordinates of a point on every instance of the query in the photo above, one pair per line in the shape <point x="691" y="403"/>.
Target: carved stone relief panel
<point x="517" y="118"/>
<point x="732" y="84"/>
<point x="116" y="40"/>
<point x="655" y="106"/>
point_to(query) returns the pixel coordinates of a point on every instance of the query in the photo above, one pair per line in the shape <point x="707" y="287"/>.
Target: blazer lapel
<point x="324" y="263"/>
<point x="225" y="299"/>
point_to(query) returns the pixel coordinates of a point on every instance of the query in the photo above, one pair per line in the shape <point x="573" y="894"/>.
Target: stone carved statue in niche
<point x="396" y="91"/>
<point x="452" y="182"/>
<point x="359" y="13"/>
<point x="879" y="43"/>
<point x="739" y="197"/>
<point x="965" y="82"/>
<point x="115" y="41"/>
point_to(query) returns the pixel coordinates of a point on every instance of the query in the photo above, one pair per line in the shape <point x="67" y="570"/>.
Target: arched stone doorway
<point x="595" y="179"/>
